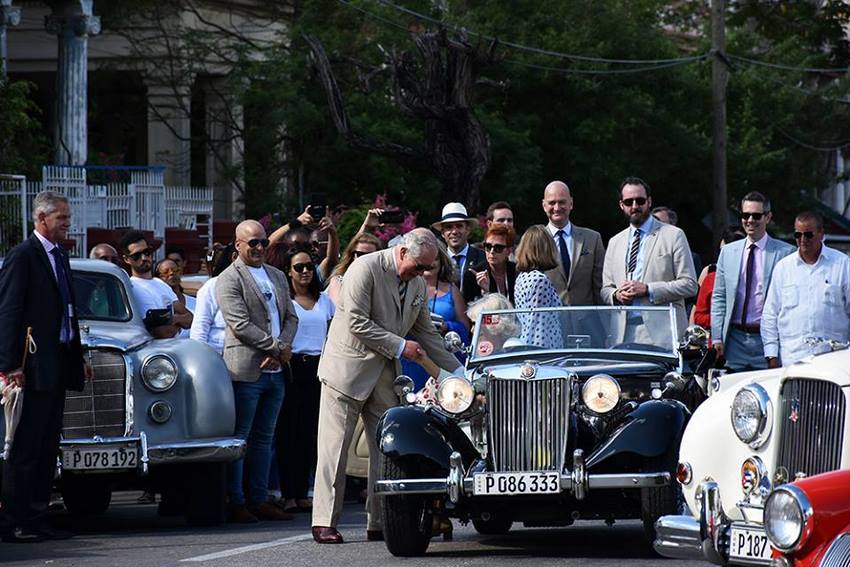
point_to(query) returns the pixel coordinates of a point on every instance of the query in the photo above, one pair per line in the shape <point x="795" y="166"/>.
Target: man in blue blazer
<point x="744" y="271"/>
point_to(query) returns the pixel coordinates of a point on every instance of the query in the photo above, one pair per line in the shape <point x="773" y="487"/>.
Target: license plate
<point x="516" y="483"/>
<point x="749" y="543"/>
<point x="100" y="458"/>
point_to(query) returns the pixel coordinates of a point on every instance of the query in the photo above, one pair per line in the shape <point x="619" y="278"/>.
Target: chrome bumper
<point x="210" y="450"/>
<point x="678" y="537"/>
<point x="457" y="485"/>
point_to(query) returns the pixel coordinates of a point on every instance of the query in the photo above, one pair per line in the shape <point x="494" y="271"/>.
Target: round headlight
<point x="159" y="373"/>
<point x="751" y="415"/>
<point x="160" y="411"/>
<point x="455" y="394"/>
<point x="788" y="518"/>
<point x="600" y="393"/>
<point x="752" y="473"/>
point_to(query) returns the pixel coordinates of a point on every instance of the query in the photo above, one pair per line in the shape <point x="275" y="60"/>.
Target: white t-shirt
<point x="313" y="325"/>
<point x="190" y="306"/>
<point x="152" y="294"/>
<point x="269" y="293"/>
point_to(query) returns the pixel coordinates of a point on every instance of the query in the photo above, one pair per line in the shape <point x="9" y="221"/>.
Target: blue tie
<point x="565" y="254"/>
<point x="65" y="292"/>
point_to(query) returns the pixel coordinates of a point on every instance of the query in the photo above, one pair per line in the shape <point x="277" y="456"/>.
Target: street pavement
<point x="131" y="535"/>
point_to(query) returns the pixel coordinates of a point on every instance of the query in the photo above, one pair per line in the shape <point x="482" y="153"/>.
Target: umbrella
<point x="12" y="398"/>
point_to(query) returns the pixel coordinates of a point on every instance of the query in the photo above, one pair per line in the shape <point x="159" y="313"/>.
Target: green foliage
<point x="23" y="148"/>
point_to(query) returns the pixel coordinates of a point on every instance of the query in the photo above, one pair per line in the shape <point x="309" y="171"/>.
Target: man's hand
<point x="305" y="218"/>
<point x="639" y="289"/>
<point x="411" y="350"/>
<point x="772" y="362"/>
<point x="16" y="377"/>
<point x="327" y="224"/>
<point x="719" y="348"/>
<point x="624" y="295"/>
<point x="269" y="363"/>
<point x="89" y="372"/>
<point x="285" y="354"/>
<point x="482" y="278"/>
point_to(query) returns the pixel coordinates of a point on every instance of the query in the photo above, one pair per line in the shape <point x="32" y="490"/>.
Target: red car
<point x="808" y="522"/>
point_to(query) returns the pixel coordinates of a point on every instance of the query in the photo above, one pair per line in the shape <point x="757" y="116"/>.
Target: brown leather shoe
<point x="270" y="512"/>
<point x="374" y="535"/>
<point x="239" y="514"/>
<point x="323" y="534"/>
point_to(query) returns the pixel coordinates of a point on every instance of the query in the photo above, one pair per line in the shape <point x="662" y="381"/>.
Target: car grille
<point x="812" y="424"/>
<point x="528" y="423"/>
<point x="838" y="554"/>
<point x="100" y="409"/>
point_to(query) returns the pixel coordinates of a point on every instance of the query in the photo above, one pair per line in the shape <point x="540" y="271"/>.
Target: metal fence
<point x="14" y="221"/>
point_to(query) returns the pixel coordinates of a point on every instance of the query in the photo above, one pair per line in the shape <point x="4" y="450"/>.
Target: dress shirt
<point x="568" y="236"/>
<point x="464" y="256"/>
<point x="756" y="304"/>
<point x="208" y="324"/>
<point x="806" y="301"/>
<point x="267" y="288"/>
<point x="48" y="248"/>
<point x="637" y="276"/>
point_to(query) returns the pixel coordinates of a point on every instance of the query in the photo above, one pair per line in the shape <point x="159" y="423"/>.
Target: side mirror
<point x="453" y="342"/>
<point x="403" y="388"/>
<point x="695" y="336"/>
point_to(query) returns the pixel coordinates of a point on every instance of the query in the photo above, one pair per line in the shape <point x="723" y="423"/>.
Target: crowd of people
<point x="313" y="338"/>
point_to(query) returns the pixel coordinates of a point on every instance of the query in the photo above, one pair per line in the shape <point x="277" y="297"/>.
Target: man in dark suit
<point x="36" y="292"/>
<point x="455" y="226"/>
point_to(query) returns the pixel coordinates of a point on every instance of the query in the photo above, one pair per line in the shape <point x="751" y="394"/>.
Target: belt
<point x="305" y="357"/>
<point x="750" y="329"/>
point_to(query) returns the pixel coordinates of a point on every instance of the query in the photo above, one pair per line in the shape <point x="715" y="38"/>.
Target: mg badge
<point x="794" y="416"/>
<point x="527" y="371"/>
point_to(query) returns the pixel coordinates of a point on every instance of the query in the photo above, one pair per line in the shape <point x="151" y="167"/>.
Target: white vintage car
<point x="758" y="430"/>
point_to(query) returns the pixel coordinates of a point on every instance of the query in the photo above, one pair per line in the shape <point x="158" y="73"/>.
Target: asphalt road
<point x="130" y="535"/>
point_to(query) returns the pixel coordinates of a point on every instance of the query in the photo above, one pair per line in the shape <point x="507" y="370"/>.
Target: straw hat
<point x="454" y="212"/>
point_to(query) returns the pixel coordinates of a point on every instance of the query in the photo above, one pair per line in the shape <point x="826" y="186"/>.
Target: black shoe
<point x="50" y="532"/>
<point x="24" y="535"/>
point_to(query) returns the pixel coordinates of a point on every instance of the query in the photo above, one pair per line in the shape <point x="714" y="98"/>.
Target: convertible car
<point x="159" y="414"/>
<point x="572" y="413"/>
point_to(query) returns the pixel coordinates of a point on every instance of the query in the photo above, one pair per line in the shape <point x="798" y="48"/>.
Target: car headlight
<point x="788" y="518"/>
<point x="600" y="393"/>
<point x="752" y="415"/>
<point x="159" y="373"/>
<point x="455" y="394"/>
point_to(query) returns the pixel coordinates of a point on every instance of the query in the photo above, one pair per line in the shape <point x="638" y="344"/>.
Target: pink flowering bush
<point x="387" y="232"/>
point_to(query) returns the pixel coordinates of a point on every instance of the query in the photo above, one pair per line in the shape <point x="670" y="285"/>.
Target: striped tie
<point x="633" y="253"/>
<point x="402" y="292"/>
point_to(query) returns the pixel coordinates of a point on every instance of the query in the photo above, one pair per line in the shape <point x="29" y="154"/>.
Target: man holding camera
<point x="312" y="228"/>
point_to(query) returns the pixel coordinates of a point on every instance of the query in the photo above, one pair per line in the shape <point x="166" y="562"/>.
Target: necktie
<point x="65" y="293"/>
<point x="633" y="254"/>
<point x="402" y="292"/>
<point x="459" y="261"/>
<point x="565" y="254"/>
<point x="748" y="282"/>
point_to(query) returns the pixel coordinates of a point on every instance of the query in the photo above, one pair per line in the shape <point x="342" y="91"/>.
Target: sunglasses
<point x="497" y="248"/>
<point x="423" y="267"/>
<point x="358" y="253"/>
<point x="136" y="256"/>
<point x="754" y="216"/>
<point x="808" y="235"/>
<point x="303" y="267"/>
<point x="639" y="201"/>
<point x="254" y="242"/>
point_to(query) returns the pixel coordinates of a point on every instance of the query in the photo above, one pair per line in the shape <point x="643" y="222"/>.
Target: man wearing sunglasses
<point x="383" y="300"/>
<point x="809" y="297"/>
<point x="161" y="311"/>
<point x="742" y="282"/>
<point x="260" y="327"/>
<point x="648" y="263"/>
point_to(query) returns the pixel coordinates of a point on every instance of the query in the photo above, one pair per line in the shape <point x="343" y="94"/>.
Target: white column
<point x="169" y="131"/>
<point x="224" y="124"/>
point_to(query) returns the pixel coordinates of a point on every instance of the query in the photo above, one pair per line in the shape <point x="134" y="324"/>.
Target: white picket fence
<point x="143" y="202"/>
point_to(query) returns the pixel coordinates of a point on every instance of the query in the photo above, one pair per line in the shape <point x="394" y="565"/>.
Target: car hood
<point x="122" y="336"/>
<point x="582" y="367"/>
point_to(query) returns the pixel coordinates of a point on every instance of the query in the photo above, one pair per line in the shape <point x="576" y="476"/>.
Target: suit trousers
<point x="337" y="419"/>
<point x="744" y="351"/>
<point x="28" y="472"/>
<point x="296" y="435"/>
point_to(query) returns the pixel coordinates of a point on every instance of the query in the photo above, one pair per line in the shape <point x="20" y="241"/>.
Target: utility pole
<point x="719" y="75"/>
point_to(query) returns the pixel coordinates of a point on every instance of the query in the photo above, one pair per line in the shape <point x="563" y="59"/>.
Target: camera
<point x="317" y="212"/>
<point x="391" y="217"/>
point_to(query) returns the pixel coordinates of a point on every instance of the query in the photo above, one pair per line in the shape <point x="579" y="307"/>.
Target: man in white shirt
<point x="152" y="293"/>
<point x="808" y="298"/>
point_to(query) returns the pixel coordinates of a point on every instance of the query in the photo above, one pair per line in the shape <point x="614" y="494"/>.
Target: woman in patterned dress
<point x="535" y="254"/>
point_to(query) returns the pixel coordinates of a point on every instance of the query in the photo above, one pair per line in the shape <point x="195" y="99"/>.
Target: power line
<point x="568" y="71"/>
<point x="815" y="147"/>
<point x="788" y="67"/>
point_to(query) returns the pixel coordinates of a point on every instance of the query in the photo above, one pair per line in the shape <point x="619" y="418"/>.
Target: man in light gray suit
<point x="648" y="263"/>
<point x="578" y="276"/>
<point x="261" y="323"/>
<point x="744" y="271"/>
<point x="383" y="300"/>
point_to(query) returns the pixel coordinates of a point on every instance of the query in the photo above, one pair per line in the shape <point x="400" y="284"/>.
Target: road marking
<point x="247" y="548"/>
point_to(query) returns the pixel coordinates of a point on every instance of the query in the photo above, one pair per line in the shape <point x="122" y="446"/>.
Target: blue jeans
<point x="257" y="406"/>
<point x="744" y="351"/>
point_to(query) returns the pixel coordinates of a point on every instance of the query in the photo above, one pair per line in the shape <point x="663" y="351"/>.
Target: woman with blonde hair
<point x="535" y="254"/>
<point x="363" y="243"/>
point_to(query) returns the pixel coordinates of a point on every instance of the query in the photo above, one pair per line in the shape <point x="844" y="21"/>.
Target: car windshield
<point x="634" y="329"/>
<point x="101" y="297"/>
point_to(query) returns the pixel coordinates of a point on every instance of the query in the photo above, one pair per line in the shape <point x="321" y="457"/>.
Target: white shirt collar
<point x="48" y="246"/>
<point x="761" y="243"/>
<point x="553" y="230"/>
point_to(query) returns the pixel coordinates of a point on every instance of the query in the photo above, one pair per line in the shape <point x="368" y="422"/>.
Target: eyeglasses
<point x="136" y="256"/>
<point x="304" y="267"/>
<point x="358" y="253"/>
<point x="808" y="235"/>
<point x="495" y="248"/>
<point x="754" y="216"/>
<point x="423" y="267"/>
<point x="254" y="242"/>
<point x="639" y="201"/>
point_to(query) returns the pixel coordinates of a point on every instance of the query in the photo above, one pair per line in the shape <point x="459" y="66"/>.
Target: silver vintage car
<point x="159" y="414"/>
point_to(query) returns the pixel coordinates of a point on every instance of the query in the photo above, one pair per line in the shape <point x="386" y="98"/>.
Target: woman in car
<point x="535" y="254"/>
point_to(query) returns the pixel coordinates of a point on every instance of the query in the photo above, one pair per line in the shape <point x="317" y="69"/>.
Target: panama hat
<point x="454" y="212"/>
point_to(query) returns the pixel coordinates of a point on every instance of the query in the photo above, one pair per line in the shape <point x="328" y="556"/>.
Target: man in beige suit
<point x="382" y="301"/>
<point x="578" y="277"/>
<point x="648" y="263"/>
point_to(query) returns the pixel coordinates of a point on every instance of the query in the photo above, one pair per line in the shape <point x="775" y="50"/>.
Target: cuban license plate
<point x="749" y="542"/>
<point x="95" y="458"/>
<point x="516" y="483"/>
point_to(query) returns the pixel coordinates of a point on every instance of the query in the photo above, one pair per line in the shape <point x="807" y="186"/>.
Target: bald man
<point x="106" y="252"/>
<point x="578" y="276"/>
<point x="260" y="326"/>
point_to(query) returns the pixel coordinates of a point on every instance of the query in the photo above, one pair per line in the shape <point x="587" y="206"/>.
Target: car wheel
<point x="206" y="494"/>
<point x="657" y="502"/>
<point x="407" y="518"/>
<point x="495" y="524"/>
<point x="85" y="496"/>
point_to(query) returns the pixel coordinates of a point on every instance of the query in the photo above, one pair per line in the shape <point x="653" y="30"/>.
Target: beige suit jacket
<point x="668" y="269"/>
<point x="586" y="259"/>
<point x="370" y="324"/>
<point x="248" y="339"/>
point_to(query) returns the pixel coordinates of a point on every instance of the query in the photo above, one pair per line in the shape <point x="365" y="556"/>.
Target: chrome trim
<point x="147" y="360"/>
<point x="130" y="402"/>
<point x="678" y="537"/>
<point x="579" y="476"/>
<point x="806" y="512"/>
<point x="838" y="552"/>
<point x="145" y="460"/>
<point x="454" y="484"/>
<point x="712" y="522"/>
<point x="765" y="421"/>
<point x="201" y="450"/>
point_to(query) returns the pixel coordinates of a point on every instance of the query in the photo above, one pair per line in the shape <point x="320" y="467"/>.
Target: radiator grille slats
<point x="100" y="409"/>
<point x="528" y="423"/>
<point x="838" y="554"/>
<point x="812" y="423"/>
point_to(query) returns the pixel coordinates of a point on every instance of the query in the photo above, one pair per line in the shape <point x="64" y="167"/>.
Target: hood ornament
<point x="527" y="370"/>
<point x="794" y="414"/>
